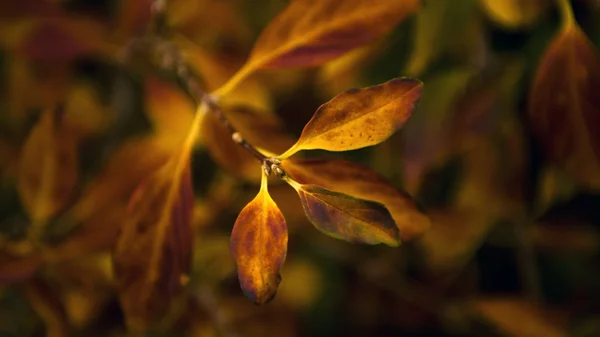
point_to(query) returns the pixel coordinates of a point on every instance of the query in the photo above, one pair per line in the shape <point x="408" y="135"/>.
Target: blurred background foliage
<point x="514" y="246"/>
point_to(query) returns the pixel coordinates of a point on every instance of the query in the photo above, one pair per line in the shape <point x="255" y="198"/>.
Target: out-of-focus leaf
<point x="310" y="33"/>
<point x="170" y="110"/>
<point x="454" y="238"/>
<point x="520" y="318"/>
<point x="259" y="246"/>
<point x="434" y="23"/>
<point x="564" y="106"/>
<point x="56" y="41"/>
<point x="152" y="255"/>
<point x="344" y="72"/>
<point x="261" y="130"/>
<point x="132" y="18"/>
<point x="514" y="14"/>
<point x="135" y="159"/>
<point x="48" y="167"/>
<point x="344" y="217"/>
<point x="303" y="284"/>
<point x="360" y="117"/>
<point x="16" y="269"/>
<point x="48" y="306"/>
<point x="9" y="10"/>
<point x="354" y="179"/>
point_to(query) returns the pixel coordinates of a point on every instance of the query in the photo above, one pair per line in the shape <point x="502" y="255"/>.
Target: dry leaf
<point x="309" y="33"/>
<point x="359" y="118"/>
<point x="344" y="217"/>
<point x="259" y="246"/>
<point x="354" y="179"/>
<point x="48" y="167"/>
<point x="564" y="105"/>
<point x="153" y="251"/>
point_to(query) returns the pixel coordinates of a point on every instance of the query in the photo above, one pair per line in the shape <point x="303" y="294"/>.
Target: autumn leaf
<point x="359" y="118"/>
<point x="15" y="269"/>
<point x="354" y="179"/>
<point x="48" y="167"/>
<point x="259" y="246"/>
<point x="153" y="251"/>
<point x="344" y="217"/>
<point x="564" y="106"/>
<point x="309" y="33"/>
<point x="514" y="14"/>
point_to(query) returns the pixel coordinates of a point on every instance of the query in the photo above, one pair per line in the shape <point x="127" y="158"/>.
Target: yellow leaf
<point x="344" y="217"/>
<point x="564" y="104"/>
<point x="354" y="179"/>
<point x="359" y="118"/>
<point x="152" y="255"/>
<point x="308" y="33"/>
<point x="48" y="167"/>
<point x="259" y="246"/>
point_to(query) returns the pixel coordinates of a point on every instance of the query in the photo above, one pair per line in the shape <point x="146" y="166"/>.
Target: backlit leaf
<point x="354" y="179"/>
<point x="153" y="251"/>
<point x="48" y="167"/>
<point x="564" y="105"/>
<point x="259" y="246"/>
<point x="359" y="118"/>
<point x="344" y="217"/>
<point x="309" y="33"/>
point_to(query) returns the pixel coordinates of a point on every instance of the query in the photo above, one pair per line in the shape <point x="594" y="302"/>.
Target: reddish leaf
<point x="564" y="105"/>
<point x="153" y="251"/>
<point x="259" y="246"/>
<point x="17" y="269"/>
<point x="309" y="33"/>
<point x="361" y="182"/>
<point x="344" y="217"/>
<point x="359" y="118"/>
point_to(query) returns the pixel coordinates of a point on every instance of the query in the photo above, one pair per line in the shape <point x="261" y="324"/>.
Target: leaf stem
<point x="566" y="12"/>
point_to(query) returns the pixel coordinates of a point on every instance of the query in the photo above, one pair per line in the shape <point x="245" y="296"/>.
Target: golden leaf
<point x="309" y="33"/>
<point x="354" y="179"/>
<point x="359" y="118"/>
<point x="48" y="167"/>
<point x="259" y="246"/>
<point x="514" y="14"/>
<point x="153" y="251"/>
<point x="564" y="104"/>
<point x="344" y="217"/>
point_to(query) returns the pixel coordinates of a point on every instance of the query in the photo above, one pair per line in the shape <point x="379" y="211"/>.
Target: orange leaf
<point x="354" y="179"/>
<point x="344" y="217"/>
<point x="309" y="33"/>
<point x="564" y="105"/>
<point x="259" y="246"/>
<point x="153" y="251"/>
<point x="261" y="130"/>
<point x="48" y="167"/>
<point x="359" y="118"/>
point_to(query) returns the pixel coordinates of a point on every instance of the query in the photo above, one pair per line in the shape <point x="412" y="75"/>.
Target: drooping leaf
<point x="359" y="118"/>
<point x="48" y="167"/>
<point x="261" y="130"/>
<point x="564" y="105"/>
<point x="153" y="251"/>
<point x="259" y="246"/>
<point x="354" y="179"/>
<point x="344" y="217"/>
<point x="309" y="33"/>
